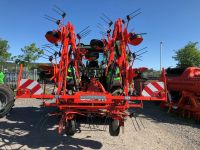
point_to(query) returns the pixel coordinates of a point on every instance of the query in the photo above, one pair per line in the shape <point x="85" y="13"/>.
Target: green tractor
<point x="6" y="97"/>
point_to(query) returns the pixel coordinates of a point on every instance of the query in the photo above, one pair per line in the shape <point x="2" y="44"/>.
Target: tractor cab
<point x="93" y="58"/>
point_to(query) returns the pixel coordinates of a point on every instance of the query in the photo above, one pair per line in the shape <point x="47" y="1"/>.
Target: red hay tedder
<point x="85" y="86"/>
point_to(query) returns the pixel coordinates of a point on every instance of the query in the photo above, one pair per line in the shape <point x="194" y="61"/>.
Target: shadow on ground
<point x="31" y="127"/>
<point x="153" y="111"/>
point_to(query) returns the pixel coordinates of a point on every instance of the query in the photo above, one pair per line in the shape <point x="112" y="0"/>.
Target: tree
<point x="188" y="56"/>
<point x="30" y="54"/>
<point x="4" y="54"/>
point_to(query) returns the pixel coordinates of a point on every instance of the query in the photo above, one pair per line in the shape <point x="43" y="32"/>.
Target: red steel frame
<point x="69" y="105"/>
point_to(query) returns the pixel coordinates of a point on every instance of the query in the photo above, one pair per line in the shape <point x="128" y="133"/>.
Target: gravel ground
<point x="29" y="127"/>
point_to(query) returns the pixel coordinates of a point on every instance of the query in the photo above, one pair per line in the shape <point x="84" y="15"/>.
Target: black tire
<point x="70" y="127"/>
<point x="114" y="128"/>
<point x="6" y="100"/>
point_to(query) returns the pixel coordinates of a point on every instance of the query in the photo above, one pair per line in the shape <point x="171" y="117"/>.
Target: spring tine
<point x="107" y="120"/>
<point x="87" y="122"/>
<point x="83" y="123"/>
<point x="44" y="45"/>
<point x="85" y="34"/>
<point x="57" y="11"/>
<point x="59" y="8"/>
<point x="43" y="123"/>
<point x="141" y="123"/>
<point x="131" y="17"/>
<point x="137" y="123"/>
<point x="102" y="29"/>
<point x="134" y="11"/>
<point x="110" y="21"/>
<point x="40" y="120"/>
<point x="104" y="20"/>
<point x="133" y="124"/>
<point x="138" y="59"/>
<point x="102" y="26"/>
<point x="98" y="122"/>
<point x="142" y="53"/>
<point x="50" y="20"/>
<point x="51" y="48"/>
<point x="50" y="17"/>
<point x="49" y="51"/>
<point x="51" y="45"/>
<point x="92" y="122"/>
<point x="141" y="33"/>
<point x="103" y="33"/>
<point x="83" y="30"/>
<point x="140" y="50"/>
<point x="104" y="124"/>
<point x="106" y="17"/>
<point x="99" y="27"/>
<point x="44" y="57"/>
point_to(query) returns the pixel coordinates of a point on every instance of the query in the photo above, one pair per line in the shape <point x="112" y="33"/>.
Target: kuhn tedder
<point x="84" y="85"/>
<point x="184" y="91"/>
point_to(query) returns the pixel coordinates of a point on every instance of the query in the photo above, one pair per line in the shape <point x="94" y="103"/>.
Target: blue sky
<point x="175" y="22"/>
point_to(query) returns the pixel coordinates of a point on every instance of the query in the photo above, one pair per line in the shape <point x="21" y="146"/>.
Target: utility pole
<point x="161" y="46"/>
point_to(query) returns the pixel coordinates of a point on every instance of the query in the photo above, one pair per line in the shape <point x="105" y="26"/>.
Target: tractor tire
<point x="114" y="128"/>
<point x="70" y="127"/>
<point x="6" y="100"/>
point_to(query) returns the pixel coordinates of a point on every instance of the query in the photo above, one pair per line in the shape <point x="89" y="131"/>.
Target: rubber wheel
<point x="70" y="127"/>
<point x="114" y="128"/>
<point x="6" y="100"/>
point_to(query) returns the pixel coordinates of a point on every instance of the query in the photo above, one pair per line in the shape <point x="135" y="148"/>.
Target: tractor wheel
<point x="6" y="100"/>
<point x="114" y="128"/>
<point x="70" y="127"/>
